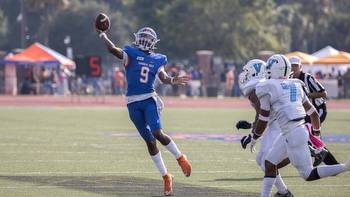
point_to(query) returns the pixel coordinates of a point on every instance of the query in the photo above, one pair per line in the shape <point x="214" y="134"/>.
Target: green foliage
<point x="3" y="26"/>
<point x="78" y="22"/>
<point x="235" y="29"/>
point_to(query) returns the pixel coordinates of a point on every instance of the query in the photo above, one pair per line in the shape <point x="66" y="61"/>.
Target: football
<point x="102" y="22"/>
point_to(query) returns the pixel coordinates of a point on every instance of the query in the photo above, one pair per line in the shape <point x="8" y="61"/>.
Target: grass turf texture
<point x="67" y="152"/>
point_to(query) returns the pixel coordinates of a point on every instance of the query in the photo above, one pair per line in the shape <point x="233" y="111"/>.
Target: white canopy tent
<point x="325" y="52"/>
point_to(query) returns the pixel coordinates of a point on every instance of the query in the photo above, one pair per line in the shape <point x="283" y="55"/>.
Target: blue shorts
<point x="145" y="116"/>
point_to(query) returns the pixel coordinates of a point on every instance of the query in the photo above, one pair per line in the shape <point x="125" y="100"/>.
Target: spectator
<point x="46" y="80"/>
<point x="55" y="80"/>
<point x="195" y="83"/>
<point x="222" y="85"/>
<point x="229" y="81"/>
<point x="119" y="82"/>
<point x="182" y="89"/>
<point x="340" y="81"/>
<point x="26" y="87"/>
<point x="36" y="79"/>
<point x="173" y="71"/>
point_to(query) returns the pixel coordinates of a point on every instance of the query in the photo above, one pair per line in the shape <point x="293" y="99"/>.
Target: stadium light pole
<point x="69" y="49"/>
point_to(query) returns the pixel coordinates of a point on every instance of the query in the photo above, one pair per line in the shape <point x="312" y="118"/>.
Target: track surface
<point x="117" y="101"/>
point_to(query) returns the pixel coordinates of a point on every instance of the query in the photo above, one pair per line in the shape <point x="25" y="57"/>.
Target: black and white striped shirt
<point x="313" y="86"/>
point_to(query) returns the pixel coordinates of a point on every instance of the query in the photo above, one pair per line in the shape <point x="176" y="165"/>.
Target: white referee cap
<point x="295" y="60"/>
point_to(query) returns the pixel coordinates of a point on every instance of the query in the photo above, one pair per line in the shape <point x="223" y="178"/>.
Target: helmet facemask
<point x="254" y="69"/>
<point x="243" y="79"/>
<point x="146" y="39"/>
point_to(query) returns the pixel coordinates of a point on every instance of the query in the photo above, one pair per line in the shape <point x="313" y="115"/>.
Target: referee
<point x="316" y="91"/>
<point x="316" y="94"/>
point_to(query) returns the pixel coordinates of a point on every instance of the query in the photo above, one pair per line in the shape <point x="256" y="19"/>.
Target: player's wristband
<point x="263" y="118"/>
<point x="102" y="34"/>
<point x="316" y="132"/>
<point x="172" y="80"/>
<point x="310" y="111"/>
<point x="256" y="136"/>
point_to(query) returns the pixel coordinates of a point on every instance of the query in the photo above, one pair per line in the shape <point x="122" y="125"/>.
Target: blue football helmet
<point x="146" y="39"/>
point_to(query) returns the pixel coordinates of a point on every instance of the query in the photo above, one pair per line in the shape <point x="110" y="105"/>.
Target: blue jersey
<point x="142" y="70"/>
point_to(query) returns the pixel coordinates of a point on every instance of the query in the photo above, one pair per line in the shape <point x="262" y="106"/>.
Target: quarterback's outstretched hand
<point x="246" y="140"/>
<point x="243" y="124"/>
<point x="177" y="80"/>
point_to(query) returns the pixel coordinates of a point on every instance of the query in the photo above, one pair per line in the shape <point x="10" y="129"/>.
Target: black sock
<point x="313" y="175"/>
<point x="330" y="159"/>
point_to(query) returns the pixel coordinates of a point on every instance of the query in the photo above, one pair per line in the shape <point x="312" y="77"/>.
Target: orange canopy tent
<point x="39" y="54"/>
<point x="304" y="57"/>
<point x="36" y="54"/>
<point x="341" y="58"/>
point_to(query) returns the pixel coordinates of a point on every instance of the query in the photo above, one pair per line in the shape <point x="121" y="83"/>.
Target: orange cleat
<point x="168" y="184"/>
<point x="185" y="165"/>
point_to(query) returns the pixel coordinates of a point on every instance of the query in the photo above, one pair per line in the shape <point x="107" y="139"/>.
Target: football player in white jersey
<point x="253" y="73"/>
<point x="285" y="100"/>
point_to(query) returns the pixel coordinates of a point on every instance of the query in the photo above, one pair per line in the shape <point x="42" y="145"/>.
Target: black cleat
<point x="288" y="194"/>
<point x="320" y="157"/>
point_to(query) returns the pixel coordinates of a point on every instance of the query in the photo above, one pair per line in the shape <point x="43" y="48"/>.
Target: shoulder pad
<point x="129" y="50"/>
<point x="163" y="60"/>
<point x="263" y="88"/>
<point x="249" y="86"/>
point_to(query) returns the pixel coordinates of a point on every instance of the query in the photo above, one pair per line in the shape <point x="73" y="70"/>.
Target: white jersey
<point x="286" y="98"/>
<point x="250" y="86"/>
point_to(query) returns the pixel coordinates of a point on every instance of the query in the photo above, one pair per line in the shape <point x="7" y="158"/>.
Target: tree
<point x="3" y="27"/>
<point x="78" y="22"/>
<point x="47" y="11"/>
<point x="235" y="29"/>
<point x="10" y="10"/>
<point x="229" y="27"/>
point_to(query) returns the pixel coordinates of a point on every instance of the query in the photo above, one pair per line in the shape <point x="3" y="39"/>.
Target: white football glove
<point x="252" y="145"/>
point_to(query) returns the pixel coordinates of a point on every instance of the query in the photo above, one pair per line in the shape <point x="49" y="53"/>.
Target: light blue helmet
<point x="146" y="39"/>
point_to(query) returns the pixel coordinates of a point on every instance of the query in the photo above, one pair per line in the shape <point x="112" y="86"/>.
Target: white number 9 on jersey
<point x="144" y="74"/>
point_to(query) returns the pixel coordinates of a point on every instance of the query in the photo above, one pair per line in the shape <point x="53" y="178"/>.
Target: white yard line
<point x="130" y="152"/>
<point x="305" y="187"/>
<point x="117" y="152"/>
<point x="118" y="161"/>
<point x="115" y="172"/>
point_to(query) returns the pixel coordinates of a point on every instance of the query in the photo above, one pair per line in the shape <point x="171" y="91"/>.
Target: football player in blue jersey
<point x="142" y="66"/>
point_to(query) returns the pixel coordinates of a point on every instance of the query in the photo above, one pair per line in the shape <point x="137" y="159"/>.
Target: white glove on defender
<point x="252" y="145"/>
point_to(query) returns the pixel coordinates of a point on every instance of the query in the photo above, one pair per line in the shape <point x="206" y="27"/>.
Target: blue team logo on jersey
<point x="140" y="58"/>
<point x="257" y="67"/>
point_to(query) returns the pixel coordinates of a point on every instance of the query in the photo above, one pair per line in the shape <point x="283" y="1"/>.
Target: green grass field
<point x="70" y="152"/>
